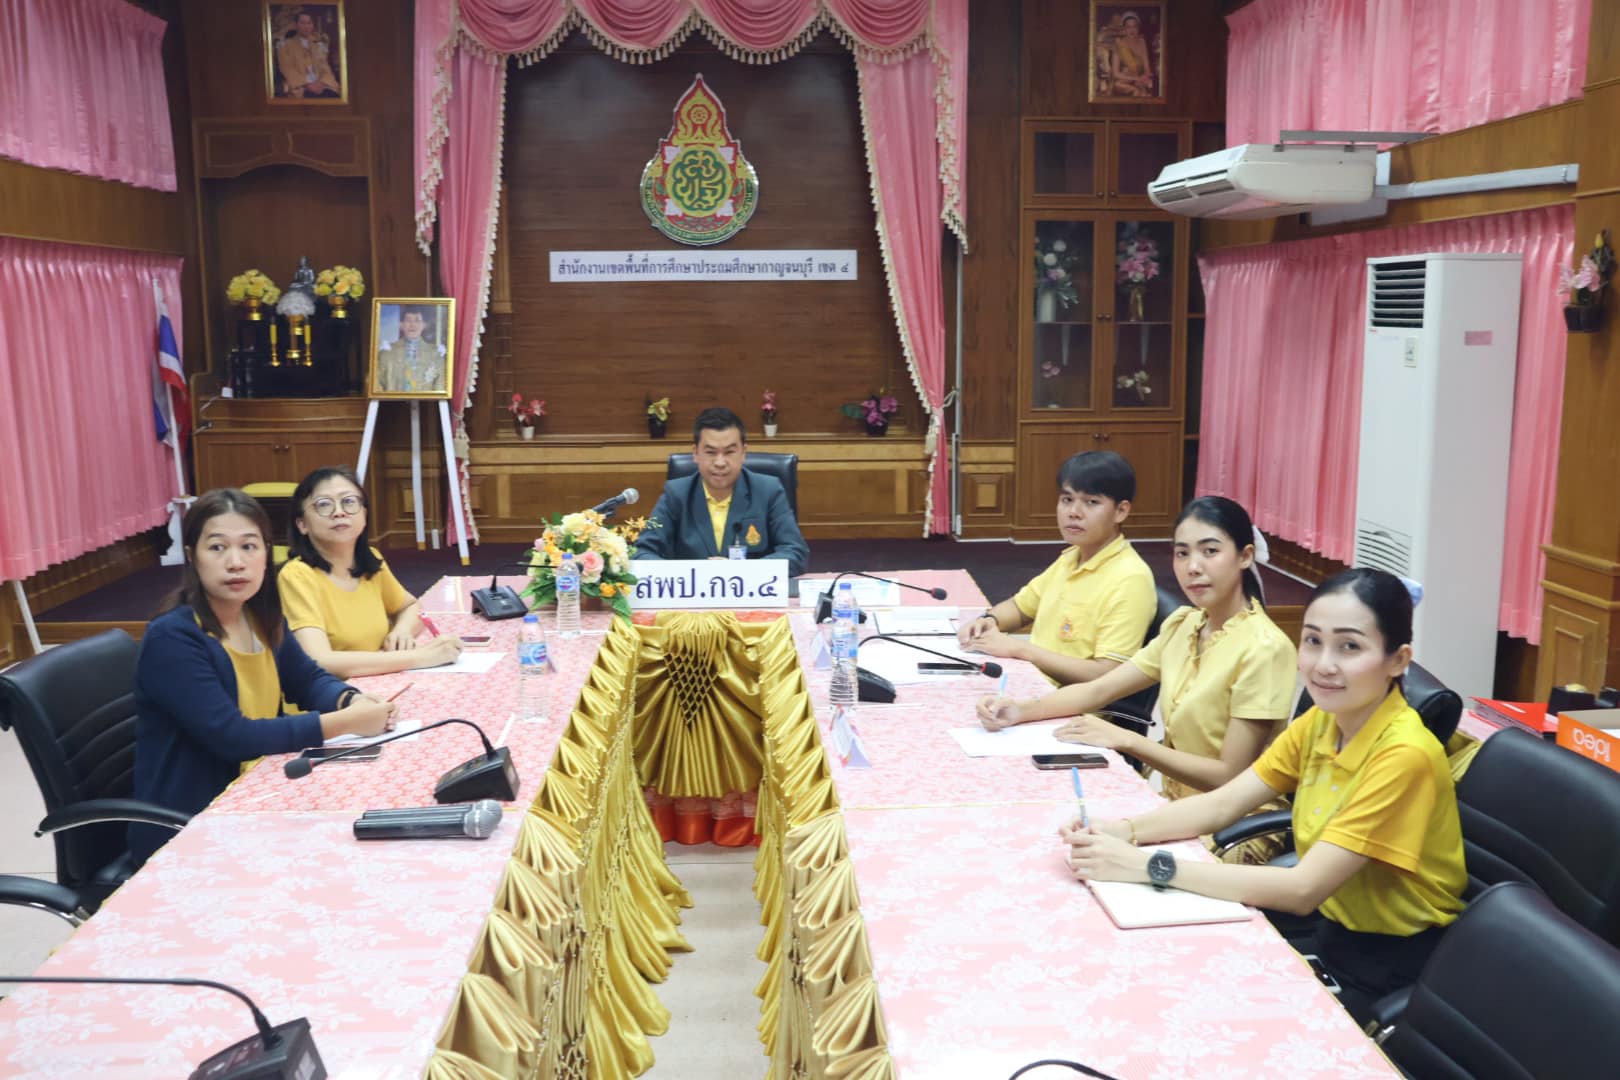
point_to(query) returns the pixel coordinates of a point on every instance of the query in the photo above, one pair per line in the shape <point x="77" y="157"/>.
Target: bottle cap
<point x="531" y="617"/>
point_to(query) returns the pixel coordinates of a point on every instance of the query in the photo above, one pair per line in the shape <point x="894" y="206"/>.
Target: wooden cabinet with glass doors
<point x="1104" y="295"/>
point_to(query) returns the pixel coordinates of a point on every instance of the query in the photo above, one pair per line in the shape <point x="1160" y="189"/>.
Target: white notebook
<point x="1134" y="907"/>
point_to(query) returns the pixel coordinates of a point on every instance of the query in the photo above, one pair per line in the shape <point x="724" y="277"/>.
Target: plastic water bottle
<point x="533" y="666"/>
<point x="568" y="597"/>
<point x="845" y="639"/>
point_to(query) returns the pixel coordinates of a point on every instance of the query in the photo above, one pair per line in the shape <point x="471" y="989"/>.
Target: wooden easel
<point x="452" y="473"/>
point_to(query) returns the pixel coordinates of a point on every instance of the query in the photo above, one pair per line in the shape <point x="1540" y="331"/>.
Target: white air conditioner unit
<point x="1436" y="417"/>
<point x="1261" y="181"/>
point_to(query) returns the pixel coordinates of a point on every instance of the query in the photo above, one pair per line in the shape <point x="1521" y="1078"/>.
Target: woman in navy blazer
<point x="215" y="668"/>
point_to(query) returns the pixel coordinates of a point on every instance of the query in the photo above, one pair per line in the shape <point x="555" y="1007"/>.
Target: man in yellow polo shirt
<point x="1090" y="610"/>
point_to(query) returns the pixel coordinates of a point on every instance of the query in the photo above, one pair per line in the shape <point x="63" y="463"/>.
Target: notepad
<point x="1023" y="740"/>
<point x="1133" y="906"/>
<point x="404" y="727"/>
<point x="468" y="663"/>
<point x="930" y="621"/>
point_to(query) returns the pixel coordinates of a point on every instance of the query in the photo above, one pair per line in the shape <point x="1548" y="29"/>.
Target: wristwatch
<point x="1161" y="868"/>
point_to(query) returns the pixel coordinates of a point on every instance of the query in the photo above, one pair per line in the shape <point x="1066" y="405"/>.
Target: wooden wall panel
<point x="580" y="128"/>
<point x="1057" y="44"/>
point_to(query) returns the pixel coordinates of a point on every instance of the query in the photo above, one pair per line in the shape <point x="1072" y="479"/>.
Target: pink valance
<point x="82" y="83"/>
<point x="1280" y="426"/>
<point x="1398" y="65"/>
<point x="80" y="462"/>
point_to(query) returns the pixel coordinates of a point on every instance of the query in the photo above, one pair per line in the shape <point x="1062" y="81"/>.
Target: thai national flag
<point x="171" y="403"/>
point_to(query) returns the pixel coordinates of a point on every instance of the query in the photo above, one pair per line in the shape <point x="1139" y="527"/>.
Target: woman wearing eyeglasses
<point x="343" y="604"/>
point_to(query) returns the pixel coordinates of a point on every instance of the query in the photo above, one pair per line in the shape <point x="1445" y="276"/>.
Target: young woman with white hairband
<point x="1225" y="671"/>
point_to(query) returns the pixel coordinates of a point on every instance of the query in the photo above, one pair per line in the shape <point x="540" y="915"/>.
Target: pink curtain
<point x="80" y="463"/>
<point x="82" y="83"/>
<point x="1280" y="428"/>
<point x="1398" y="65"/>
<point x="896" y="108"/>
<point x="912" y="58"/>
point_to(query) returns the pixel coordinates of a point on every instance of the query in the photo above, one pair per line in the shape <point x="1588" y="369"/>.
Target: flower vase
<point x="1583" y="318"/>
<point x="254" y="309"/>
<point x="587" y="602"/>
<point x="1138" y="303"/>
<point x="770" y="431"/>
<point x="875" y="430"/>
<point x="1046" y="305"/>
<point x="340" y="306"/>
<point x="526" y="430"/>
<point x="656" y="428"/>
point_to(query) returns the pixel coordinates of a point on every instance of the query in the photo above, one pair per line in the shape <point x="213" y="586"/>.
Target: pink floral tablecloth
<point x="369" y="941"/>
<point x="988" y="956"/>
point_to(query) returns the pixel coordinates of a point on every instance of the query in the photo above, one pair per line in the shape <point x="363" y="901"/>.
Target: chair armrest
<point x="1272" y="821"/>
<point x="1387" y="1012"/>
<point x="1128" y="721"/>
<point x="32" y="892"/>
<point x="96" y="811"/>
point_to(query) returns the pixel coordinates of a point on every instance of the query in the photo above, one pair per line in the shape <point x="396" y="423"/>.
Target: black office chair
<point x="1437" y="705"/>
<point x="1515" y="988"/>
<point x="73" y="710"/>
<point x="783" y="467"/>
<point x="1135" y="711"/>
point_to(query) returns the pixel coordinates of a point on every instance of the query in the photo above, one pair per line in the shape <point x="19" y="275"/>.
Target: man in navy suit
<point x="700" y="517"/>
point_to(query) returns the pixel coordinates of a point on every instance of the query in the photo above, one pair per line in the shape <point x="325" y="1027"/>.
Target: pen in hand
<point x="427" y="622"/>
<point x="1080" y="797"/>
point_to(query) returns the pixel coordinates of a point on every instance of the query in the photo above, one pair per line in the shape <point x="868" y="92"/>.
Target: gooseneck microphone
<point x="284" y="1052"/>
<point x="476" y="821"/>
<point x="988" y="667"/>
<point x="490" y="775"/>
<point x="628" y="497"/>
<point x="824" y="604"/>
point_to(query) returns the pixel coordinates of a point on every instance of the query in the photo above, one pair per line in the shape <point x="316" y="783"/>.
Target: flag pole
<point x="181" y="502"/>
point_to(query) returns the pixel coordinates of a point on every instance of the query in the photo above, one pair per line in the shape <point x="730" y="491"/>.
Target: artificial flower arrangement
<point x="767" y="407"/>
<point x="659" y="410"/>
<point x="252" y="285"/>
<point x="1054" y="273"/>
<point x="1138" y="260"/>
<point x="602" y="552"/>
<point x="875" y="410"/>
<point x="1583" y="287"/>
<point x="1141" y="382"/>
<point x="340" y="281"/>
<point x="523" y="415"/>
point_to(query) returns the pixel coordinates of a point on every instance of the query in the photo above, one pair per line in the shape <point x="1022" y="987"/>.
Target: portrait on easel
<point x="305" y="58"/>
<point x="1127" y="52"/>
<point x="415" y="343"/>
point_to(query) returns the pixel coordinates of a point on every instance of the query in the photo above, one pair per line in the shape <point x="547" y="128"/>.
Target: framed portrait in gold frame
<point x="306" y="61"/>
<point x="1127" y="52"/>
<point x="414" y="351"/>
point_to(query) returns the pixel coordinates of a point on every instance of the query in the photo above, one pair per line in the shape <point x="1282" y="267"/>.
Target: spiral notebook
<point x="1136" y="907"/>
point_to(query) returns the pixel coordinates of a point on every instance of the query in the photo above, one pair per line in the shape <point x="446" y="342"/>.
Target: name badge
<point x="702" y="583"/>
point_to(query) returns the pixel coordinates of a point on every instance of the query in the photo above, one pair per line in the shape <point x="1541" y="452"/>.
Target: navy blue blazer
<point x="190" y="736"/>
<point x="679" y="526"/>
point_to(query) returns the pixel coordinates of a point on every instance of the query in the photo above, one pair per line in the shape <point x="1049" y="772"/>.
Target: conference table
<point x="919" y="920"/>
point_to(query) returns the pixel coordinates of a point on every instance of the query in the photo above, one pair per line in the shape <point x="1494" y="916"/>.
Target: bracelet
<point x="347" y="697"/>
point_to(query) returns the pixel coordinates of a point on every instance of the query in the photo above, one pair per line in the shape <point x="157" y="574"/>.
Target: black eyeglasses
<point x="325" y="507"/>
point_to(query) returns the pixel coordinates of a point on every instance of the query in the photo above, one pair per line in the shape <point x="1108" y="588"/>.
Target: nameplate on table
<point x="847" y="741"/>
<point x="710" y="583"/>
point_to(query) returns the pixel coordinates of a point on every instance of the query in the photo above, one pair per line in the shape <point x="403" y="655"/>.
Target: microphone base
<point x="871" y="686"/>
<point x="501" y="602"/>
<point x="293" y="1057"/>
<point x="483" y="777"/>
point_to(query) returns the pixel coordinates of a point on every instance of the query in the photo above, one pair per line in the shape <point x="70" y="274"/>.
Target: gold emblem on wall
<point x="699" y="189"/>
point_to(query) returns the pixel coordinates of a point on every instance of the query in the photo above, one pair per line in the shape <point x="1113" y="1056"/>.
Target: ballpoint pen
<point x="427" y="622"/>
<point x="1001" y="691"/>
<point x="1080" y="797"/>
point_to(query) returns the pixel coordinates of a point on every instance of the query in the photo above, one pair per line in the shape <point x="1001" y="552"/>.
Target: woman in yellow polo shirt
<point x="348" y="611"/>
<point x="1226" y="672"/>
<point x="1375" y="812"/>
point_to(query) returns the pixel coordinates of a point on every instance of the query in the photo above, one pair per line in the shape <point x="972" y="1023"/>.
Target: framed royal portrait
<point x="1127" y="52"/>
<point x="414" y="354"/>
<point x="305" y="57"/>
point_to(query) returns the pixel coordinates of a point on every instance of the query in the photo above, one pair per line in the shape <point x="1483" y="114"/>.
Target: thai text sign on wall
<point x="758" y="265"/>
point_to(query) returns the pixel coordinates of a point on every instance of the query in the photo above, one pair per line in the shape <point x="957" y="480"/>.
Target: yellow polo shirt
<point x="1387" y="795"/>
<point x="1245" y="670"/>
<point x="356" y="621"/>
<point x="258" y="686"/>
<point x="718" y="509"/>
<point x="1098" y="609"/>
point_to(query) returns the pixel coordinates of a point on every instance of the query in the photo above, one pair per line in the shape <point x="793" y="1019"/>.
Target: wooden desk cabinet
<point x="267" y="439"/>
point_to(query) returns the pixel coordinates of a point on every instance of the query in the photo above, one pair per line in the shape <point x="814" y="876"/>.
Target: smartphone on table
<point x="1070" y="761"/>
<point x="476" y="641"/>
<point x="321" y="753"/>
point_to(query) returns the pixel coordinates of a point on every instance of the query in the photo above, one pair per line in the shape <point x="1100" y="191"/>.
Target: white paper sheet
<point x="868" y="593"/>
<point x="1133" y="906"/>
<point x="917" y="620"/>
<point x="404" y="727"/>
<point x="1020" y="741"/>
<point x="470" y="662"/>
